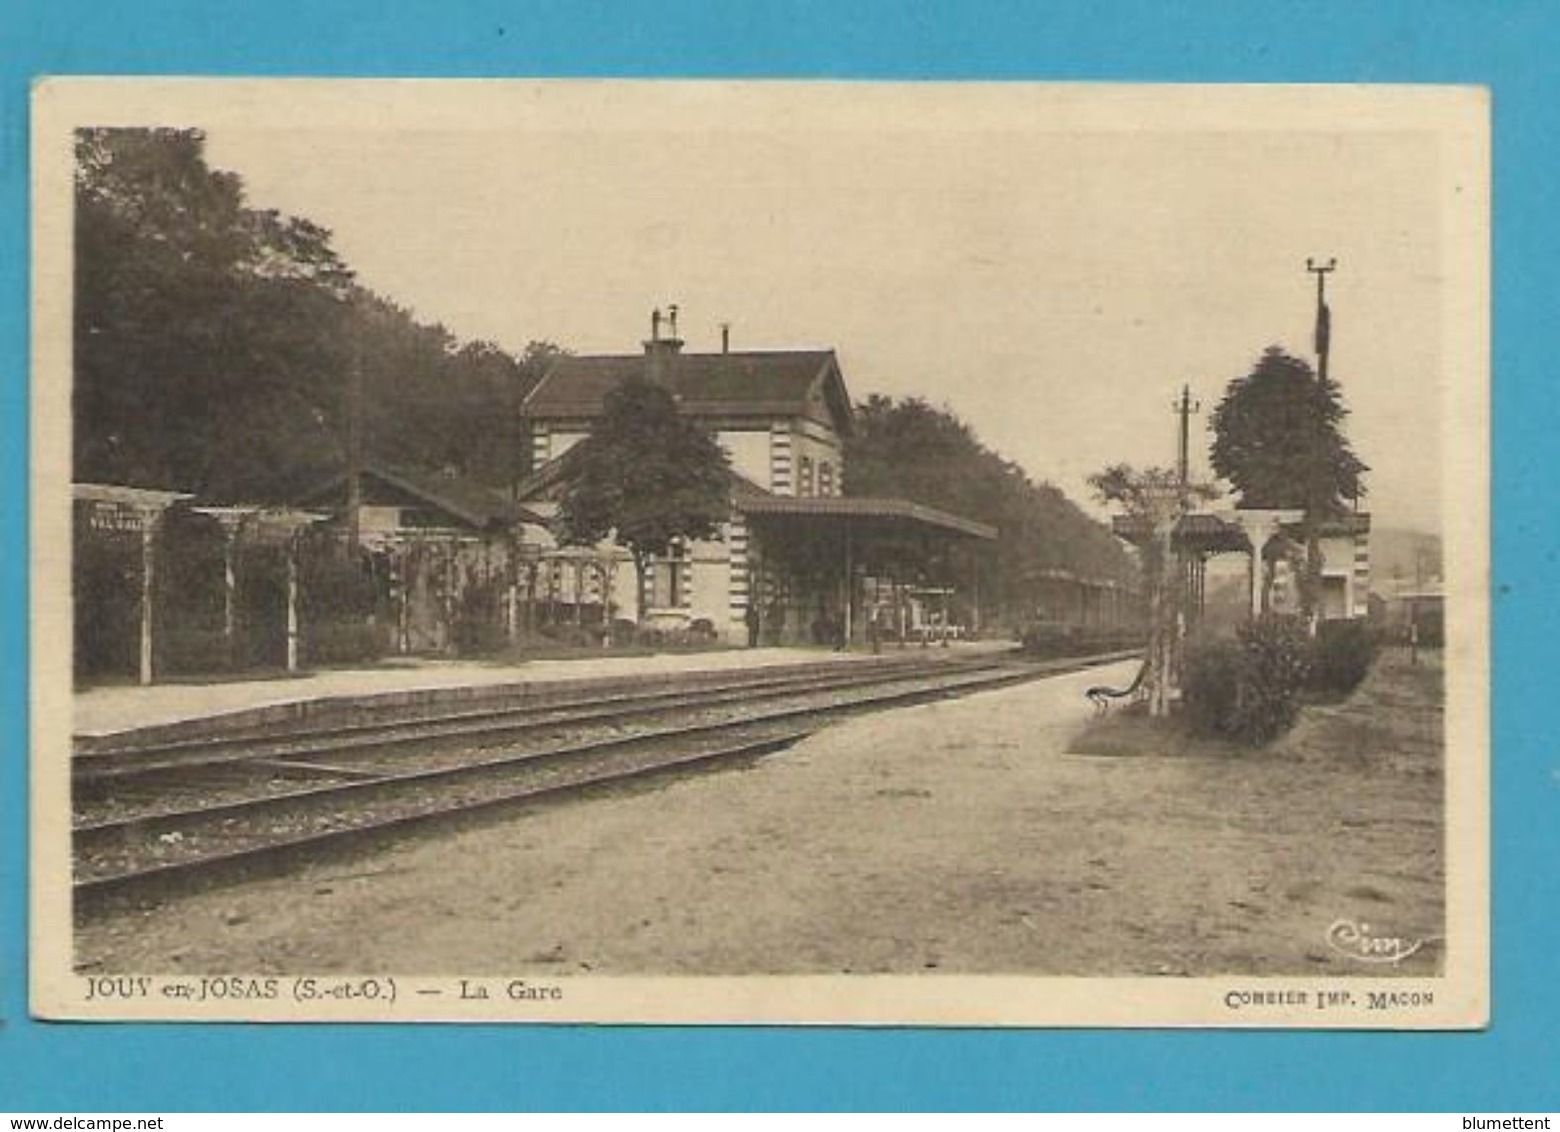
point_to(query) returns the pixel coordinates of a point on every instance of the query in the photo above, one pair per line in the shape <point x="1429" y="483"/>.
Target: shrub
<point x="1343" y="654"/>
<point x="479" y="628"/>
<point x="342" y="642"/>
<point x="573" y="636"/>
<point x="1210" y="685"/>
<point x="194" y="651"/>
<point x="332" y="587"/>
<point x="1277" y="660"/>
<point x="1248" y="689"/>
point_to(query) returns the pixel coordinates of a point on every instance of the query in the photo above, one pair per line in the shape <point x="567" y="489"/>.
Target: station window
<point x="669" y="580"/>
<point x="825" y="478"/>
<point x="804" y="485"/>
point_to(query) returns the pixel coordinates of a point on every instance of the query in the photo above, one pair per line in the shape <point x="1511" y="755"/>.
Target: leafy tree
<point x="199" y="323"/>
<point x="909" y="449"/>
<point x="1138" y="491"/>
<point x="213" y="341"/>
<point x="645" y="476"/>
<point x="1279" y="441"/>
<point x="1278" y="438"/>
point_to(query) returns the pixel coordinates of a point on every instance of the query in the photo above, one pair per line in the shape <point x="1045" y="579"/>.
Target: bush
<point x="342" y="642"/>
<point x="1210" y="685"/>
<point x="1343" y="654"/>
<point x="332" y="587"/>
<point x="573" y="636"/>
<point x="1248" y="689"/>
<point x="1277" y="662"/>
<point x="479" y="628"/>
<point x="194" y="651"/>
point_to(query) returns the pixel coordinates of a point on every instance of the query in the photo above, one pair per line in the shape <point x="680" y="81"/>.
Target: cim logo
<point x="1357" y="941"/>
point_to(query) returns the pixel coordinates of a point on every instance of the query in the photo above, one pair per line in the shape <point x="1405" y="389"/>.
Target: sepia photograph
<point x="957" y="554"/>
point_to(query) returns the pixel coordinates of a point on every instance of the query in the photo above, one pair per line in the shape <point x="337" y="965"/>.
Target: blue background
<point x="1509" y="46"/>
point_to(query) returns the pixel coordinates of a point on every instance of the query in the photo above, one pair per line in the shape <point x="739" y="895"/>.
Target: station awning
<point x="887" y="515"/>
<point x="1197" y="533"/>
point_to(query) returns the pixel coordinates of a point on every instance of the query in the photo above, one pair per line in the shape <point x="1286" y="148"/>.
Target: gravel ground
<point x="958" y="837"/>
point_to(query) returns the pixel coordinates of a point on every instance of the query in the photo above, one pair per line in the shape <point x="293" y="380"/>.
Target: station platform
<point x="104" y="712"/>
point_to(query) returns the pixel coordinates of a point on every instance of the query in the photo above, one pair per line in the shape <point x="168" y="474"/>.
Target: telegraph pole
<point x="1188" y="564"/>
<point x="1184" y="407"/>
<point x="1313" y="544"/>
<point x="1323" y="315"/>
<point x="355" y="434"/>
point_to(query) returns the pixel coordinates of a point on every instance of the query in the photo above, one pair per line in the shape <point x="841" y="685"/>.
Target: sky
<point x="1050" y="272"/>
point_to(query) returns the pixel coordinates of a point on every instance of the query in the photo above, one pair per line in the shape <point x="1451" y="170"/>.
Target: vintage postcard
<point x="760" y="552"/>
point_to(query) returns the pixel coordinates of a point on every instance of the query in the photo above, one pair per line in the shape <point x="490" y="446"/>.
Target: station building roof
<point x="749" y="383"/>
<point x="467" y="501"/>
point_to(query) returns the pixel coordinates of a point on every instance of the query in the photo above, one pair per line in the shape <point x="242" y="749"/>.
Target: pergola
<point x="831" y="541"/>
<point x="1196" y="536"/>
<point x="1173" y="533"/>
<point x="115" y="507"/>
<point x="278" y="524"/>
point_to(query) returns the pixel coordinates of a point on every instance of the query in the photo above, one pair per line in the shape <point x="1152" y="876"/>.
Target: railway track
<point x="169" y="818"/>
<point x="116" y="765"/>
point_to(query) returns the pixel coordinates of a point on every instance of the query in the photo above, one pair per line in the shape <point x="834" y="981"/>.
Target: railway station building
<point x="798" y="561"/>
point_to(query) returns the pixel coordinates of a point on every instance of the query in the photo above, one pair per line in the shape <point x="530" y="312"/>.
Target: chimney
<point x="725" y="337"/>
<point x="658" y="350"/>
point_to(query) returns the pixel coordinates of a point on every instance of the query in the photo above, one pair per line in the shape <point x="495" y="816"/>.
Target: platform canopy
<point x="1198" y="532"/>
<point x="1236" y="531"/>
<point x="891" y="517"/>
<point x="819" y="550"/>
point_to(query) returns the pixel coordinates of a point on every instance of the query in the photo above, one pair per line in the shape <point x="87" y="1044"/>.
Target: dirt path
<point x="956" y="837"/>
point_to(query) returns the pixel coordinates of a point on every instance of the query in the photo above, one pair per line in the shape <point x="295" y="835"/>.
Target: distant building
<point x="1400" y="603"/>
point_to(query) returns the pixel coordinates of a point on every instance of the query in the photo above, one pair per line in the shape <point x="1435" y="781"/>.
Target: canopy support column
<point x="148" y="565"/>
<point x="850" y="590"/>
<point x="292" y="604"/>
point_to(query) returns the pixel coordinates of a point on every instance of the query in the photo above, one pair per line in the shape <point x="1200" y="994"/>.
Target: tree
<point x="646" y="477"/>
<point x="1147" y="493"/>
<point x="1278" y="440"/>
<point x="909" y="449"/>
<point x="213" y="341"/>
<point x="201" y="325"/>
